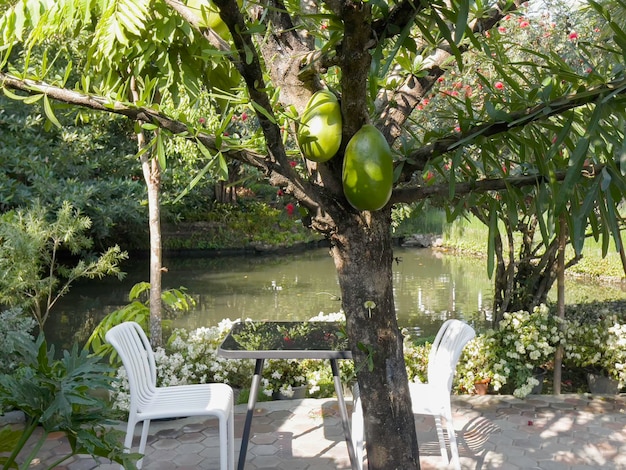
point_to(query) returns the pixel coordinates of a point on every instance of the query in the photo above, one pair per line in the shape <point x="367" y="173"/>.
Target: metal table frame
<point x="260" y="355"/>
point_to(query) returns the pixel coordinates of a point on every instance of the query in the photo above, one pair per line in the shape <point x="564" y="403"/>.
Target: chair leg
<point x="128" y="440"/>
<point x="231" y="439"/>
<point x="442" y="440"/>
<point x="454" y="450"/>
<point x="357" y="431"/>
<point x="144" y="439"/>
<point x="224" y="432"/>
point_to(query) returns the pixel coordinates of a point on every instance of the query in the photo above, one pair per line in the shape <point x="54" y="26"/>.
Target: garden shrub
<point x="15" y="327"/>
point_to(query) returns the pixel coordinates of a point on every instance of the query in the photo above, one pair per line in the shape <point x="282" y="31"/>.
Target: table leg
<point x="254" y="391"/>
<point x="344" y="413"/>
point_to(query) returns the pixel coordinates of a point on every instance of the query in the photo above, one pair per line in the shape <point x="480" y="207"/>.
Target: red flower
<point x="202" y="120"/>
<point x="244" y="116"/>
<point x="290" y="208"/>
<point x="524" y="24"/>
<point x="573" y="36"/>
<point x="279" y="192"/>
<point x="293" y="163"/>
<point x="440" y="79"/>
<point x="502" y="29"/>
<point x="499" y="85"/>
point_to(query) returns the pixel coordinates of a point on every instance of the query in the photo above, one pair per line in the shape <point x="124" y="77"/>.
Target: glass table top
<point x="286" y="340"/>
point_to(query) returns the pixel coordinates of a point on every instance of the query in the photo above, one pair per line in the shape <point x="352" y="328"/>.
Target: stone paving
<point x="542" y="432"/>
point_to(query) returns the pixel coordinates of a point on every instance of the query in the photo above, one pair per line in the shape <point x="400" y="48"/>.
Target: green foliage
<point x="33" y="276"/>
<point x="60" y="395"/>
<point x="242" y="225"/>
<point x="15" y="327"/>
<point x="88" y="162"/>
<point x="138" y="310"/>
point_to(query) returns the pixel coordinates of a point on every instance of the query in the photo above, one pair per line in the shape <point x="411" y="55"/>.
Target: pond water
<point x="429" y="287"/>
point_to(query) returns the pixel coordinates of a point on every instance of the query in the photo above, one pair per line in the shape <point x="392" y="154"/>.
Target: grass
<point x="470" y="236"/>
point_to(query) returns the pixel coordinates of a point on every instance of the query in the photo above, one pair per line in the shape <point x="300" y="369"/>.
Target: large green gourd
<point x="368" y="170"/>
<point x="319" y="134"/>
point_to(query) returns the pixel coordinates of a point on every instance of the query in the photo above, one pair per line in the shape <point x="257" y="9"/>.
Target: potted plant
<point x="476" y="371"/>
<point x="598" y="345"/>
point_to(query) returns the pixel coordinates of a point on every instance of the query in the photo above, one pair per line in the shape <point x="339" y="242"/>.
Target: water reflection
<point x="429" y="287"/>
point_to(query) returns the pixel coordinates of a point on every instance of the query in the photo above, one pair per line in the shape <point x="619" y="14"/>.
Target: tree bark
<point x="363" y="255"/>
<point x="560" y="305"/>
<point x="152" y="176"/>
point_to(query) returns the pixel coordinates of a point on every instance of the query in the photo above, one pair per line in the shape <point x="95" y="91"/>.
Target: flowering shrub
<point x="281" y="376"/>
<point x="478" y="363"/>
<point x="416" y="359"/>
<point x="596" y="340"/>
<point x="509" y="356"/>
<point x="524" y="342"/>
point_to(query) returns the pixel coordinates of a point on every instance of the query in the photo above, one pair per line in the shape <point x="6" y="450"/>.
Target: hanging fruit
<point x="319" y="134"/>
<point x="368" y="170"/>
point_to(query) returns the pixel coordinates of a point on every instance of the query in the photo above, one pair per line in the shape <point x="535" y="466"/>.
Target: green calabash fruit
<point x="368" y="170"/>
<point x="319" y="134"/>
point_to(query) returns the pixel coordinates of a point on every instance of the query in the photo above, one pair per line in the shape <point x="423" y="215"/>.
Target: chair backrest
<point x="446" y="351"/>
<point x="133" y="347"/>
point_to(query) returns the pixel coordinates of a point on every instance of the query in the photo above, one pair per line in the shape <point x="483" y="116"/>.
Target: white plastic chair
<point x="431" y="398"/>
<point x="147" y="401"/>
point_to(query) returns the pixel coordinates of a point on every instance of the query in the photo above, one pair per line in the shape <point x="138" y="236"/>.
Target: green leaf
<point x="493" y="233"/>
<point x="577" y="161"/>
<point x="9" y="94"/>
<point x="211" y="163"/>
<point x="137" y="290"/>
<point x="461" y="20"/>
<point x="32" y="99"/>
<point x="50" y="112"/>
<point x="263" y="111"/>
<point x="447" y="34"/>
<point x="160" y="148"/>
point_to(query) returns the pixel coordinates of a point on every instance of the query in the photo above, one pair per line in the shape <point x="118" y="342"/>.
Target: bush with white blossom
<point x="478" y="364"/>
<point x="526" y="341"/>
<point x="596" y="340"/>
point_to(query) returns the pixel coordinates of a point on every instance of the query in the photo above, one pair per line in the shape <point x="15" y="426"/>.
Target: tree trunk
<point x="560" y="305"/>
<point x="363" y="257"/>
<point x="156" y="259"/>
<point x="152" y="176"/>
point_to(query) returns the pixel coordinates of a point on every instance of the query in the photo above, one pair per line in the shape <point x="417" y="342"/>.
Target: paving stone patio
<point x="569" y="432"/>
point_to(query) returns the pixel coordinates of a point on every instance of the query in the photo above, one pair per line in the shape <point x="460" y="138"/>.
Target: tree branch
<point x="396" y="106"/>
<point x="418" y="193"/>
<point x="421" y="156"/>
